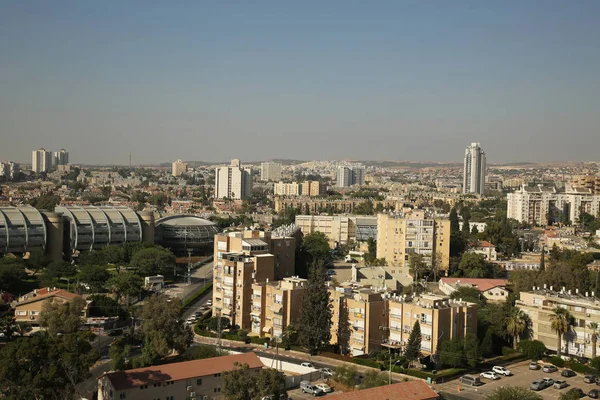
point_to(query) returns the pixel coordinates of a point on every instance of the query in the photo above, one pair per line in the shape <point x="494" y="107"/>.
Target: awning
<point x="276" y="309"/>
<point x="267" y="329"/>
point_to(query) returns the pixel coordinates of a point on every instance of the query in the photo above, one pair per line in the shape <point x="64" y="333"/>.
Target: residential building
<point x="313" y="189"/>
<point x="474" y="170"/>
<point x="270" y="171"/>
<point x="479" y="225"/>
<point x="492" y="289"/>
<point x="233" y="181"/>
<point x="414" y="231"/>
<point x="589" y="182"/>
<point x="484" y="248"/>
<point x="411" y="390"/>
<point x="242" y="259"/>
<point x="9" y="170"/>
<point x="324" y="205"/>
<point x="349" y="175"/>
<point x="287" y="189"/>
<point x="61" y="157"/>
<point x="440" y="318"/>
<point x="339" y="229"/>
<point x="41" y="161"/>
<point x="29" y="306"/>
<point x="584" y="307"/>
<point x="275" y="305"/>
<point x="358" y="319"/>
<point x="543" y="205"/>
<point x="178" y="168"/>
<point x="198" y="379"/>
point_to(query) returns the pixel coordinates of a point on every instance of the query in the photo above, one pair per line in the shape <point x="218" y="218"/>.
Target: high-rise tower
<point x="474" y="170"/>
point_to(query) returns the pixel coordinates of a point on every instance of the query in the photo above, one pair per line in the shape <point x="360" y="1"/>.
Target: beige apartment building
<point x="414" y="231"/>
<point x="313" y="189"/>
<point x="440" y="318"/>
<point x="358" y="320"/>
<point x="178" y="167"/>
<point x="28" y="307"/>
<point x="198" y="379"/>
<point x="287" y="189"/>
<point x="585" y="308"/>
<point x="339" y="229"/>
<point x="589" y="182"/>
<point x="275" y="305"/>
<point x="321" y="205"/>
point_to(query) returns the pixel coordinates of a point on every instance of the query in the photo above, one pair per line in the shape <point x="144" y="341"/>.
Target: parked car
<point x="549" y="381"/>
<point x="575" y="392"/>
<point x="594" y="393"/>
<point x="538" y="384"/>
<point x="501" y="370"/>
<point x="324" y="387"/>
<point x="590" y="379"/>
<point x="489" y="375"/>
<point x="567" y="373"/>
<point x="470" y="380"/>
<point x="309" y="388"/>
<point x="307" y="365"/>
<point x="209" y="303"/>
<point x="549" y="368"/>
<point x="560" y="384"/>
<point x="534" y="366"/>
<point x="327" y="372"/>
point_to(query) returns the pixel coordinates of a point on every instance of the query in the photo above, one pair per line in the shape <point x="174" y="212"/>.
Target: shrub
<point x="508" y="351"/>
<point x="532" y="349"/>
<point x="557" y="361"/>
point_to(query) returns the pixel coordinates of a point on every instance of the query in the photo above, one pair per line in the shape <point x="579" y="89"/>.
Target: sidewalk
<point x="298" y="355"/>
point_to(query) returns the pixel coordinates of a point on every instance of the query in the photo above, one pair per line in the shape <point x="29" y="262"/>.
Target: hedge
<point x="196" y="295"/>
<point x="231" y="336"/>
<point x="574" y="365"/>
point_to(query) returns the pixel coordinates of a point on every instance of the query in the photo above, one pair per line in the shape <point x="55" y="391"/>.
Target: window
<point x="217" y="375"/>
<point x="21" y="312"/>
<point x="122" y="395"/>
<point x="199" y="381"/>
<point x="217" y="390"/>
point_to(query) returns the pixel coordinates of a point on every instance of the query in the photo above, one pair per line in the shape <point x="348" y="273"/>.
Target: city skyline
<point x="394" y="81"/>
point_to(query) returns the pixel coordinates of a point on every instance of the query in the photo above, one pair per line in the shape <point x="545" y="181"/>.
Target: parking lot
<point x="522" y="376"/>
<point x="297" y="394"/>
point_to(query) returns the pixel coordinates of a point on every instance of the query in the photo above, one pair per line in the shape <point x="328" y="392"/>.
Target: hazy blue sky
<point x="213" y="80"/>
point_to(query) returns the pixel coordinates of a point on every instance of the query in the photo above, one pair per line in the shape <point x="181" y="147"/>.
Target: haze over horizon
<point x="337" y="80"/>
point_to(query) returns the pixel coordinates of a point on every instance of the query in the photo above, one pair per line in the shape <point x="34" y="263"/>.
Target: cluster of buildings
<point x="9" y="170"/>
<point x="308" y="188"/>
<point x="45" y="161"/>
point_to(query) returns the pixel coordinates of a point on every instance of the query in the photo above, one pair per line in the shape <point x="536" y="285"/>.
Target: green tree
<point x="413" y="347"/>
<point x="595" y="363"/>
<point x="238" y="384"/>
<point x="317" y="247"/>
<point x="457" y="240"/>
<point x="7" y="325"/>
<point x="153" y="261"/>
<point x="12" y="273"/>
<point x="532" y="349"/>
<point x="58" y="269"/>
<point x="543" y="259"/>
<point x="213" y="324"/>
<point x="474" y="231"/>
<point x="270" y="384"/>
<point x="473" y="265"/>
<point x="487" y="344"/>
<point x="593" y="327"/>
<point x="104" y="306"/>
<point x="62" y="317"/>
<point x="416" y="266"/>
<point x="345" y="374"/>
<point x="374" y="379"/>
<point x="125" y="284"/>
<point x="114" y="254"/>
<point x="466" y="216"/>
<point x="202" y="351"/>
<point x="46" y="202"/>
<point x="469" y="294"/>
<point x="471" y="348"/>
<point x="163" y="327"/>
<point x="452" y="353"/>
<point x="96" y="276"/>
<point x="513" y="393"/>
<point x="560" y="323"/>
<point x="45" y="366"/>
<point x="364" y="208"/>
<point x="569" y="395"/>
<point x="516" y="324"/>
<point x="316" y="311"/>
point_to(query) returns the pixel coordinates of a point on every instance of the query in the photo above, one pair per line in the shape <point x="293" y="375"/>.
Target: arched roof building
<point x="185" y="232"/>
<point x="93" y="227"/>
<point x="22" y="229"/>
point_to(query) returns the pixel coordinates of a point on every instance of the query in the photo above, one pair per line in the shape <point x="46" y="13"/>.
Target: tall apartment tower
<point x="474" y="170"/>
<point x="178" y="167"/>
<point x="61" y="157"/>
<point x="41" y="160"/>
<point x="233" y="181"/>
<point x="270" y="171"/>
<point x="348" y="175"/>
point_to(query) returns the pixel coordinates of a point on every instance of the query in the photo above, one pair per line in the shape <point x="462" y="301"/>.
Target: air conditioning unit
<point x="188" y="388"/>
<point x="192" y="395"/>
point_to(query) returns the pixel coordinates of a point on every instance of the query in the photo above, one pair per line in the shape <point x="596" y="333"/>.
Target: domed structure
<point x="181" y="233"/>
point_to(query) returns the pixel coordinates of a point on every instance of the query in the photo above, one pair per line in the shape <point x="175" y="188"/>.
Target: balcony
<point x="396" y="328"/>
<point x="397" y="316"/>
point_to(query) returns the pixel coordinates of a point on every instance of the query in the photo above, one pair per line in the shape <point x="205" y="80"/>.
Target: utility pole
<point x="219" y="330"/>
<point x="189" y="274"/>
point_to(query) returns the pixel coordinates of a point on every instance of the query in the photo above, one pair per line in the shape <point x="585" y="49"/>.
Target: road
<point x="87" y="388"/>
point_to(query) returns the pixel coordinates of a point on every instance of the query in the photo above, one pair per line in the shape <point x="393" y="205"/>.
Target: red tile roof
<point x="44" y="293"/>
<point x="123" y="380"/>
<point x="481" y="283"/>
<point x="412" y="390"/>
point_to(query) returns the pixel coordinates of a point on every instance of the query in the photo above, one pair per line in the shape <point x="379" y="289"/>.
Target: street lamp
<point x="391" y="365"/>
<point x="68" y="282"/>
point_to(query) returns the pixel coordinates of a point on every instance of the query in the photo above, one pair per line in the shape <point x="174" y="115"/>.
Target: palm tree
<point x="593" y="326"/>
<point x="560" y="323"/>
<point x="516" y="323"/>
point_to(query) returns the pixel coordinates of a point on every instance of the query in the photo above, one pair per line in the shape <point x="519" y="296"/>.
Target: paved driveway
<point x="522" y="376"/>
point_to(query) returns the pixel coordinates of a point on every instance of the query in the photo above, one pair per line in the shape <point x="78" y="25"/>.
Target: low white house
<point x="491" y="289"/>
<point x="485" y="248"/>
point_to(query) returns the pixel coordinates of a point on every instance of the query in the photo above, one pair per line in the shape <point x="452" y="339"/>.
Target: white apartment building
<point x="61" y="157"/>
<point x="178" y="168"/>
<point x="474" y="170"/>
<point x="339" y="229"/>
<point x="41" y="161"/>
<point x="348" y="175"/>
<point x="542" y="205"/>
<point x="287" y="189"/>
<point x="9" y="170"/>
<point x="233" y="181"/>
<point x="270" y="171"/>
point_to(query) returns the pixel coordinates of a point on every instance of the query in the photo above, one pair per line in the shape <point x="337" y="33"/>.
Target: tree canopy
<point x="153" y="261"/>
<point x="513" y="393"/>
<point x="316" y="311"/>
